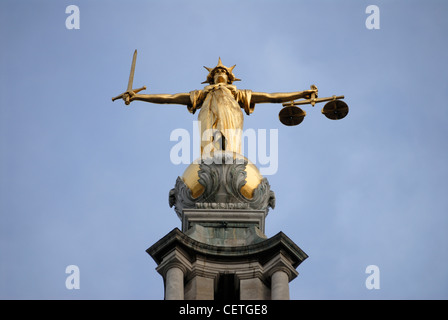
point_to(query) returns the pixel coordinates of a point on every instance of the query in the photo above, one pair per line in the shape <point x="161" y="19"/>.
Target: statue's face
<point x="220" y="76"/>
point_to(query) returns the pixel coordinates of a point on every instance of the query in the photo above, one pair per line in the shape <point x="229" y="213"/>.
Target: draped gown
<point x="220" y="118"/>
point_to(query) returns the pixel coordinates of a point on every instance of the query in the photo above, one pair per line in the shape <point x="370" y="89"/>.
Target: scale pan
<point x="291" y="115"/>
<point x="335" y="110"/>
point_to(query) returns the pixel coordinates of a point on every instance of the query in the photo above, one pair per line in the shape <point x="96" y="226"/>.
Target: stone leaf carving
<point x="222" y="189"/>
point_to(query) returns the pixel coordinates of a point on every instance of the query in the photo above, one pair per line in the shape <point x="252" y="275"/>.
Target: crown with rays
<point x="231" y="77"/>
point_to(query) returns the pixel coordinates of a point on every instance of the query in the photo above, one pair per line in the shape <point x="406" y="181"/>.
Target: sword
<point x="130" y="82"/>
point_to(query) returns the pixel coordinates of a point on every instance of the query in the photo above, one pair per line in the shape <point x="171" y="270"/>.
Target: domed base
<point x="226" y="180"/>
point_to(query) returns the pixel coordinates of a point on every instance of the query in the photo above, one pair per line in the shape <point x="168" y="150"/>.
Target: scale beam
<point x="312" y="101"/>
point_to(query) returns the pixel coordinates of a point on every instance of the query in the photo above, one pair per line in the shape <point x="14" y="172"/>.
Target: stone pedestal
<point x="222" y="252"/>
<point x="257" y="271"/>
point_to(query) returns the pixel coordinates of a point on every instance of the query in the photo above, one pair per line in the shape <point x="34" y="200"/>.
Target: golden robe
<point x="221" y="116"/>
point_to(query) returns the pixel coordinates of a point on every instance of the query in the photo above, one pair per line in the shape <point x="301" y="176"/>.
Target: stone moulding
<point x="270" y="247"/>
<point x="222" y="190"/>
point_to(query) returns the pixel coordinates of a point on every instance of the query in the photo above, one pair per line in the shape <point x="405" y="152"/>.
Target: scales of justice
<point x="222" y="199"/>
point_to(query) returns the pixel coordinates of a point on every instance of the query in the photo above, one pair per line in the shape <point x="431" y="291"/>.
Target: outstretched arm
<point x="280" y="97"/>
<point x="178" y="98"/>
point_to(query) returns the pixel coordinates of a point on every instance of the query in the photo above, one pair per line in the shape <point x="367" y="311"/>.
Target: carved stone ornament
<point x="222" y="179"/>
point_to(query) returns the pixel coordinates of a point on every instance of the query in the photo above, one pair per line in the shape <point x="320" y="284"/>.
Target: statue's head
<point x="220" y="74"/>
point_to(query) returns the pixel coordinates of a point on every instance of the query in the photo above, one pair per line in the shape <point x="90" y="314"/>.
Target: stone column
<point x="174" y="284"/>
<point x="279" y="285"/>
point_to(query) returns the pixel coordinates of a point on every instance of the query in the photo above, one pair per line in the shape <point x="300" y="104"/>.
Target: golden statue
<point x="221" y="118"/>
<point x="220" y="104"/>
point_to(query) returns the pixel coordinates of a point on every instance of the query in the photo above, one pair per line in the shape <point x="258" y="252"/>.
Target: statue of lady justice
<point x="221" y="124"/>
<point x="220" y="104"/>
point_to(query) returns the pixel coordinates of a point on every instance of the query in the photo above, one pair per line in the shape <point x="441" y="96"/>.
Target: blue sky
<point x="85" y="181"/>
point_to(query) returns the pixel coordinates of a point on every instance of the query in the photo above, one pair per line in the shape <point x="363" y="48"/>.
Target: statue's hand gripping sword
<point x="126" y="95"/>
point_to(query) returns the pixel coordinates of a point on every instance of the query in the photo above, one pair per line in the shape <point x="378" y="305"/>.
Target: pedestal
<point x="222" y="252"/>
<point x="256" y="271"/>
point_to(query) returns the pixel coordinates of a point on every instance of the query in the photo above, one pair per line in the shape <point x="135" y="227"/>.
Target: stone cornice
<point x="263" y="251"/>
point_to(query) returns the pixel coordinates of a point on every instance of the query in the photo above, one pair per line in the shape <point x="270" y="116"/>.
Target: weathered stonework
<point x="222" y="251"/>
<point x="261" y="271"/>
<point x="222" y="180"/>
